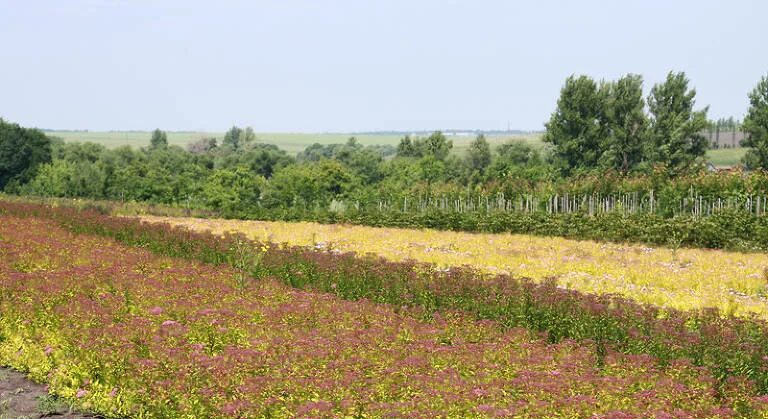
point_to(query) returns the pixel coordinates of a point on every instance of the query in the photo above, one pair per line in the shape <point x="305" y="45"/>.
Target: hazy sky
<point x="318" y="65"/>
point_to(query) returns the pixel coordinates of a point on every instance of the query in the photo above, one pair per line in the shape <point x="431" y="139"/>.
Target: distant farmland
<point x="726" y="156"/>
<point x="292" y="143"/>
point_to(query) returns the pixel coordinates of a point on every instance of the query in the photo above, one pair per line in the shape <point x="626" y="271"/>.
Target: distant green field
<point x="114" y="139"/>
<point x="291" y="143"/>
<point x="726" y="156"/>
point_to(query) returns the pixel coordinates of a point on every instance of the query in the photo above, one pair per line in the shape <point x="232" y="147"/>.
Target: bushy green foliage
<point x="756" y="126"/>
<point x="304" y="186"/>
<point x="436" y="145"/>
<point x="22" y="150"/>
<point x="67" y="178"/>
<point x="626" y="124"/>
<point x="237" y="138"/>
<point x="263" y="159"/>
<point x="159" y="140"/>
<point x="604" y="125"/>
<point x="231" y="191"/>
<point x="478" y="156"/>
<point x="513" y="156"/>
<point x="575" y="129"/>
<point x="675" y="132"/>
<point x="365" y="161"/>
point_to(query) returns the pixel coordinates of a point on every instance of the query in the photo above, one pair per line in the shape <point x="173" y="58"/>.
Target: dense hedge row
<point x="733" y="230"/>
<point x="730" y="348"/>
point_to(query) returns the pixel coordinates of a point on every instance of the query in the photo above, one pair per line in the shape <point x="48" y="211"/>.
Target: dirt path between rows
<point x="21" y="398"/>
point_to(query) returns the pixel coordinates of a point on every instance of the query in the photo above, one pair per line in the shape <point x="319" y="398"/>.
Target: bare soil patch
<point x="22" y="398"/>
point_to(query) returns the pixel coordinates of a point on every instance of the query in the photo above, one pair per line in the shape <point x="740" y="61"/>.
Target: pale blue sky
<point x="317" y="65"/>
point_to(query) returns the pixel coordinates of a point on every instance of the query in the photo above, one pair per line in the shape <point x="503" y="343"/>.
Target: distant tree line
<point x="725" y="124"/>
<point x="238" y="173"/>
<point x="597" y="129"/>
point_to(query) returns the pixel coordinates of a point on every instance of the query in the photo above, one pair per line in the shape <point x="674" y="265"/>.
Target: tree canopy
<point x="604" y="125"/>
<point x="626" y="123"/>
<point x="22" y="150"/>
<point x="479" y="154"/>
<point x="755" y="125"/>
<point x="676" y="129"/>
<point x="575" y="129"/>
<point x="159" y="140"/>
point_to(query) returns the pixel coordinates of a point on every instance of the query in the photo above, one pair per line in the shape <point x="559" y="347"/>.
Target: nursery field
<point x="735" y="283"/>
<point x="124" y="332"/>
<point x="126" y="318"/>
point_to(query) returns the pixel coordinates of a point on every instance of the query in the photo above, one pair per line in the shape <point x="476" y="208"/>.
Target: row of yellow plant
<point x="679" y="278"/>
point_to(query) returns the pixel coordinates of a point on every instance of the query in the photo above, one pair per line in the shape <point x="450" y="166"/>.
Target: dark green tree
<point x="437" y="146"/>
<point x="70" y="179"/>
<point x="365" y="162"/>
<point x="755" y="125"/>
<point x="334" y="179"/>
<point x="159" y="140"/>
<point x="232" y="138"/>
<point x="431" y="170"/>
<point x="398" y="176"/>
<point x="512" y="156"/>
<point x="408" y="147"/>
<point x="310" y="184"/>
<point x="22" y="150"/>
<point x="575" y="129"/>
<point x="263" y="159"/>
<point x="479" y="155"/>
<point x="76" y="152"/>
<point x="675" y="133"/>
<point x="237" y="138"/>
<point x="233" y="191"/>
<point x="518" y="153"/>
<point x="625" y="122"/>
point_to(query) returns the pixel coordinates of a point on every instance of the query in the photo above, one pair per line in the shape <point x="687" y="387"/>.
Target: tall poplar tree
<point x="626" y="123"/>
<point x="575" y="129"/>
<point x="755" y="125"/>
<point x="676" y="132"/>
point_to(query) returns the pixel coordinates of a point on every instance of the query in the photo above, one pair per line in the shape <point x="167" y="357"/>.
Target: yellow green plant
<point x="678" y="278"/>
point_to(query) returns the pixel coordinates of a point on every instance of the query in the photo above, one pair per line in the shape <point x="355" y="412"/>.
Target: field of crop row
<point x="735" y="283"/>
<point x="262" y="329"/>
